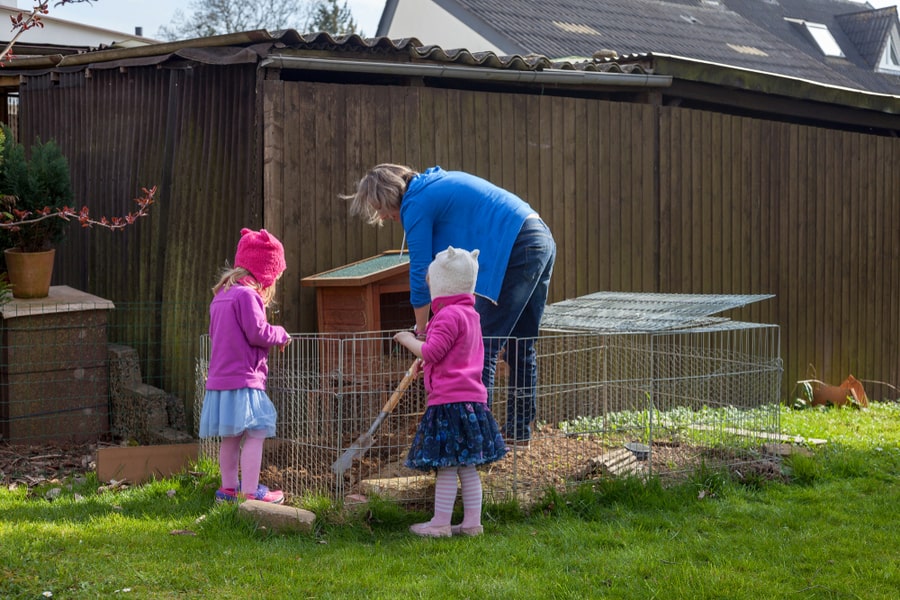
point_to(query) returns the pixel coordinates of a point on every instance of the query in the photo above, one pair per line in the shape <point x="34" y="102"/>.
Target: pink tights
<point x="445" y="495"/>
<point x="248" y="455"/>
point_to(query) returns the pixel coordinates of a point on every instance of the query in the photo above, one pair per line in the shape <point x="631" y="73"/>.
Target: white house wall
<point x="431" y="24"/>
<point x="60" y="32"/>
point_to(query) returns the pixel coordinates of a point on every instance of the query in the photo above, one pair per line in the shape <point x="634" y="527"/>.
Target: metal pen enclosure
<point x="694" y="390"/>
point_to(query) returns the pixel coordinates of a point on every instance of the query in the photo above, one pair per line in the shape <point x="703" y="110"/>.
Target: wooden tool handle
<point x="401" y="388"/>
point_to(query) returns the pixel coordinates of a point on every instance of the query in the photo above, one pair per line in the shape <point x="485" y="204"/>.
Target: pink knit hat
<point x="262" y="254"/>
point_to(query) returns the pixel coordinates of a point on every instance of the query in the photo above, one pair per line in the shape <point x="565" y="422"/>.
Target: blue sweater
<point x="452" y="208"/>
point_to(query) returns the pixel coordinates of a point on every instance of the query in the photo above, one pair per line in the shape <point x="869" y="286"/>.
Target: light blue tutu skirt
<point x="227" y="413"/>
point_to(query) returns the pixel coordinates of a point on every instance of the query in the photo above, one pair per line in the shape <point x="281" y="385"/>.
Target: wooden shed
<point x="655" y="173"/>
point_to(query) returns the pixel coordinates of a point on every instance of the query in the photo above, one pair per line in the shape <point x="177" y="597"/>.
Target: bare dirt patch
<point x="552" y="461"/>
<point x="35" y="464"/>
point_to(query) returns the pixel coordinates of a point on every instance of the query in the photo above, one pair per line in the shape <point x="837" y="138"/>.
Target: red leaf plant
<point x="15" y="219"/>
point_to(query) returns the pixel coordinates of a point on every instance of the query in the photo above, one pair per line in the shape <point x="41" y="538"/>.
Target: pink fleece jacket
<point x="453" y="352"/>
<point x="241" y="337"/>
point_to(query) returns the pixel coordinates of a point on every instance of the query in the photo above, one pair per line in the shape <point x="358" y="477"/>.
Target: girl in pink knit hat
<point x="236" y="407"/>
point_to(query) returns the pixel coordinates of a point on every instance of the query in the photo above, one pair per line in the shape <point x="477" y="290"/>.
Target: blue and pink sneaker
<point x="263" y="494"/>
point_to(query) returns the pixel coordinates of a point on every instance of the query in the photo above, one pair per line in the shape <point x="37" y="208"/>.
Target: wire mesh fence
<point x="78" y="368"/>
<point x="607" y="405"/>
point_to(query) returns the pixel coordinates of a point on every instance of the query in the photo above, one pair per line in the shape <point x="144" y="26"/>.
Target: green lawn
<point x="828" y="531"/>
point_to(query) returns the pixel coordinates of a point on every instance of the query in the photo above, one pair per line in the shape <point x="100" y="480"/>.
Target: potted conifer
<point x="35" y="194"/>
<point x="32" y="185"/>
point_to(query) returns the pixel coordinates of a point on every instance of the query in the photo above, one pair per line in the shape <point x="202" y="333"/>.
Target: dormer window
<point x="890" y="58"/>
<point x="821" y="36"/>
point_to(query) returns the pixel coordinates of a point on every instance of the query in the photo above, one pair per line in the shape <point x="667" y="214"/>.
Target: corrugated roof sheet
<point x="250" y="46"/>
<point x="632" y="312"/>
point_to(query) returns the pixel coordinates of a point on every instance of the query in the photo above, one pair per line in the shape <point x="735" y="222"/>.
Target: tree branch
<point x="20" y="218"/>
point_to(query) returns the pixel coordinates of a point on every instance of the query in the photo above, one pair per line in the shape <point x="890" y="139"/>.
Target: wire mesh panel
<point x="328" y="391"/>
<point x="608" y="404"/>
<point x="54" y="372"/>
<point x="714" y="395"/>
<point x="76" y="368"/>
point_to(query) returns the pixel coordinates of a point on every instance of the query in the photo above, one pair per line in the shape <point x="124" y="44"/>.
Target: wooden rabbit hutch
<point x="366" y="296"/>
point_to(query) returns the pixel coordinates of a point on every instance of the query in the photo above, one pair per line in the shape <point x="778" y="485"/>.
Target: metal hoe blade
<point x="358" y="448"/>
<point x="365" y="441"/>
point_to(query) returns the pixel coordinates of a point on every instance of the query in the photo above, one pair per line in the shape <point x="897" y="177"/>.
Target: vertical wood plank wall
<point x="808" y="214"/>
<point x="573" y="160"/>
<point x="192" y="133"/>
<point x="640" y="198"/>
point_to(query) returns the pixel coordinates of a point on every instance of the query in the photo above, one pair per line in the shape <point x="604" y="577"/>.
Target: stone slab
<point x="62" y="299"/>
<point x="277" y="517"/>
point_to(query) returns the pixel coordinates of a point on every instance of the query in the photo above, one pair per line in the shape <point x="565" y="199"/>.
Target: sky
<point x="125" y="15"/>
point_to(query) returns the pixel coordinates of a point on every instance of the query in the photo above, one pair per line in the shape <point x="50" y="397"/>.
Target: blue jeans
<point x="516" y="318"/>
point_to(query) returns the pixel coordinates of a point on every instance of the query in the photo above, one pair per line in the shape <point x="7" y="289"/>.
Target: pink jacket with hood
<point x="453" y="352"/>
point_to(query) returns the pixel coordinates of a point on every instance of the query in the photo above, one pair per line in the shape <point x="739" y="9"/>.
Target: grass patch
<point x="828" y="532"/>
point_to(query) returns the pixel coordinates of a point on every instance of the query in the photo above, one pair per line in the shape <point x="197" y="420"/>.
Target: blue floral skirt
<point x="456" y="434"/>
<point x="227" y="413"/>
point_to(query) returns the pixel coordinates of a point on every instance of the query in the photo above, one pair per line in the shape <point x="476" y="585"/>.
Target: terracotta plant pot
<point x="29" y="272"/>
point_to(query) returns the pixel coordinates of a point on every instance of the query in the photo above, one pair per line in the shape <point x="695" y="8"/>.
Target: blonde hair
<point x="381" y="188"/>
<point x="240" y="276"/>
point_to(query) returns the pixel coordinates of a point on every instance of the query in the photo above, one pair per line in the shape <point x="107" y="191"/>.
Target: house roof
<point x="751" y="34"/>
<point x="383" y="60"/>
<point x="860" y="32"/>
<point x="868" y="31"/>
<point x="61" y="35"/>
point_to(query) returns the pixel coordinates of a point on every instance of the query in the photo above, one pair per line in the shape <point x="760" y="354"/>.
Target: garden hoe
<point x="364" y="442"/>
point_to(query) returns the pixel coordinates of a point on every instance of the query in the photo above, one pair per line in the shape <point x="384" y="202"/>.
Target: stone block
<point x="138" y="410"/>
<point x="142" y="412"/>
<point x="168" y="435"/>
<point x="175" y="412"/>
<point x="277" y="517"/>
<point x="124" y="366"/>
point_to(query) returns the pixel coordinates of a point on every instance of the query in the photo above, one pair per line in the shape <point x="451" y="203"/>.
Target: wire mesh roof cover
<point x="633" y="312"/>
